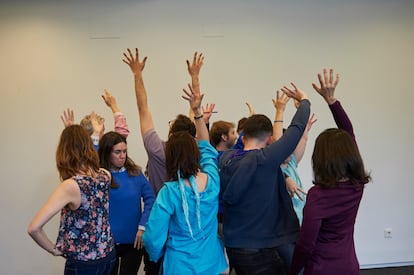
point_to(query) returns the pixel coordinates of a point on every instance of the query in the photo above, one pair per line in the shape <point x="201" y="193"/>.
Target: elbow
<point x="33" y="230"/>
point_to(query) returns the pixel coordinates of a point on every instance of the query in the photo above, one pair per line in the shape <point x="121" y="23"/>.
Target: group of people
<point x="211" y="199"/>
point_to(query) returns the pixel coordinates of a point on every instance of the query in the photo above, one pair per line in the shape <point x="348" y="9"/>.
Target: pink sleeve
<point x="121" y="125"/>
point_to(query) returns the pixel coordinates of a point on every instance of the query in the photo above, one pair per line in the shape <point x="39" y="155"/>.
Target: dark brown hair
<point x="258" y="126"/>
<point x="75" y="153"/>
<point x="106" y="144"/>
<point x="182" y="154"/>
<point x="240" y="124"/>
<point x="183" y="123"/>
<point x="336" y="156"/>
<point x="218" y="129"/>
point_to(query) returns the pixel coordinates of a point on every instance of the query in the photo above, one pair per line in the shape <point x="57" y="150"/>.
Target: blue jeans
<point x="96" y="267"/>
<point x="263" y="261"/>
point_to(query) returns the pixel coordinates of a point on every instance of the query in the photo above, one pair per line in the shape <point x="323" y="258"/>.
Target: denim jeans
<point x="97" y="267"/>
<point x="130" y="259"/>
<point x="263" y="261"/>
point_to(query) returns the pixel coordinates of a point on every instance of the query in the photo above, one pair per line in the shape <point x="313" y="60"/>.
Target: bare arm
<point x="250" y="107"/>
<point x="67" y="193"/>
<point x="280" y="104"/>
<point x="300" y="148"/>
<point x="194" y="96"/>
<point x="137" y="66"/>
<point x="194" y="68"/>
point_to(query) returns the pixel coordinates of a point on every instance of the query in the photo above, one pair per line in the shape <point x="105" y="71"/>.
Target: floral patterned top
<point x="84" y="233"/>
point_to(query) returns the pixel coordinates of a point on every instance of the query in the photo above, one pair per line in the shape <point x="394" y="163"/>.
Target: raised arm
<point x="251" y="109"/>
<point x="194" y="68"/>
<point x="137" y="66"/>
<point x="300" y="148"/>
<point x="120" y="123"/>
<point x="98" y="129"/>
<point x="327" y="91"/>
<point x="194" y="98"/>
<point x="280" y="104"/>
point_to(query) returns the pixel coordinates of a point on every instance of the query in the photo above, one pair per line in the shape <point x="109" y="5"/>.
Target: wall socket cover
<point x="388" y="232"/>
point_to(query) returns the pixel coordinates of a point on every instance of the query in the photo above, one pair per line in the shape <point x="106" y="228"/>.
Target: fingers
<point x="195" y="57"/>
<point x="294" y="85"/>
<point x="300" y="194"/>
<point x="336" y="80"/>
<point x="189" y="95"/>
<point x="198" y="58"/>
<point x="325" y="76"/>
<point x="316" y="87"/>
<point x="330" y="76"/>
<point x="321" y="81"/>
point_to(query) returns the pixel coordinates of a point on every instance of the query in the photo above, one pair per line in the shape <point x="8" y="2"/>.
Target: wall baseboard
<point x="382" y="265"/>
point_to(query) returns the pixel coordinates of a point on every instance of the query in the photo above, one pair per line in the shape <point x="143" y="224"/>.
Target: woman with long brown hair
<point x="85" y="237"/>
<point x="326" y="240"/>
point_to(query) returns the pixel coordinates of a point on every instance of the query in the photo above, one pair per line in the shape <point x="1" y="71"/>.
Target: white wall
<point x="55" y="54"/>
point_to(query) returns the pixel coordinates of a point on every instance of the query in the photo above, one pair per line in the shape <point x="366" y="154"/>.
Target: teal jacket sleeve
<point x="156" y="229"/>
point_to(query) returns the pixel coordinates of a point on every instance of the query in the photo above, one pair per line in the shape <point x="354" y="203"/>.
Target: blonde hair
<point x="87" y="124"/>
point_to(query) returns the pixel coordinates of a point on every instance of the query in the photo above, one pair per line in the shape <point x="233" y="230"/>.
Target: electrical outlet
<point x="388" y="233"/>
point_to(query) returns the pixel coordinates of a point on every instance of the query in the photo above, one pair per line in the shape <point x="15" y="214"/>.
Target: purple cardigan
<point x="326" y="240"/>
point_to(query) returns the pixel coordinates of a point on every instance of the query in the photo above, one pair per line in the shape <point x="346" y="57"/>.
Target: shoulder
<point x="69" y="185"/>
<point x="70" y="190"/>
<point x="150" y="135"/>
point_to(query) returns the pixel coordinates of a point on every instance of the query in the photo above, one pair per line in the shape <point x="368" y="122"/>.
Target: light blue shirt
<point x="183" y="230"/>
<point x="292" y="172"/>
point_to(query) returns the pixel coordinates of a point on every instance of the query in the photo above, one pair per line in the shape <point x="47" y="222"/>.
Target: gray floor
<point x="404" y="270"/>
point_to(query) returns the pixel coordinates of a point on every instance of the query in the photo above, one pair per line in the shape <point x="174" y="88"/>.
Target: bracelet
<point x="198" y="117"/>
<point x="278" y="121"/>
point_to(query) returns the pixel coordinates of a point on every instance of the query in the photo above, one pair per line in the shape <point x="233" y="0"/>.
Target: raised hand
<point x="97" y="125"/>
<point x="294" y="93"/>
<point x="207" y="112"/>
<point x="110" y="101"/>
<point x="194" y="98"/>
<point x="327" y="85"/>
<point x="195" y="66"/>
<point x="68" y="118"/>
<point x="133" y="62"/>
<point x="311" y="121"/>
<point x="280" y="101"/>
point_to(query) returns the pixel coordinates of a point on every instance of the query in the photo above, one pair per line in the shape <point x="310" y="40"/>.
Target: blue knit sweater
<point x="125" y="211"/>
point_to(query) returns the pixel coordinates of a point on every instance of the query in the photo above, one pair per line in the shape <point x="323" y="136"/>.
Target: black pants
<point x="128" y="259"/>
<point x="264" y="261"/>
<point x="151" y="268"/>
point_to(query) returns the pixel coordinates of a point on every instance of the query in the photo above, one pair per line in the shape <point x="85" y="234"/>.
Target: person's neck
<point x="253" y="144"/>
